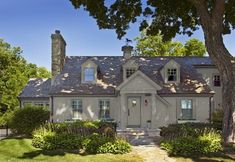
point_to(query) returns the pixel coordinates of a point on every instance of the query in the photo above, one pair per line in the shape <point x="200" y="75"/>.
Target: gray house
<point x="132" y="90"/>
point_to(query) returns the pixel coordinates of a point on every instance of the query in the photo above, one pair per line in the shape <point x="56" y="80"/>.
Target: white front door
<point x="133" y="118"/>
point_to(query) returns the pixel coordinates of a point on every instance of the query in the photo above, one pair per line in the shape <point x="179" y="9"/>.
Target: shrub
<point x="184" y="146"/>
<point x="195" y="141"/>
<point x="93" y="137"/>
<point x="83" y="128"/>
<point x="94" y="141"/>
<point x="184" y="130"/>
<point x="49" y="140"/>
<point x="24" y="121"/>
<point x="117" y="147"/>
<point x="217" y="118"/>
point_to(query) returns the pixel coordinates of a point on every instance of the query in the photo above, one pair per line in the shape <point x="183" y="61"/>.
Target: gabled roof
<point x="38" y="88"/>
<point x="110" y="76"/>
<point x="141" y="74"/>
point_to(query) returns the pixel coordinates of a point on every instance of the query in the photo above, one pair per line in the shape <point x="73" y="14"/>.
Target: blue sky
<point x="29" y="24"/>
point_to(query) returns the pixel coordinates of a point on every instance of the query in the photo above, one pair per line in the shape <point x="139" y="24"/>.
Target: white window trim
<point x="192" y="109"/>
<point x="80" y="110"/>
<point x="105" y="100"/>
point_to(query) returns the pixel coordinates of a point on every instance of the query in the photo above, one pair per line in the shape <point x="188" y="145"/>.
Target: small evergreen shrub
<point x="25" y="120"/>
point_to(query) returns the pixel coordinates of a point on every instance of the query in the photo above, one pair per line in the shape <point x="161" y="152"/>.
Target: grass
<point x="21" y="150"/>
<point x="214" y="158"/>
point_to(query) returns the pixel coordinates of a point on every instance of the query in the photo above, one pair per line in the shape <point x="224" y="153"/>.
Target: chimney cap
<point x="57" y="31"/>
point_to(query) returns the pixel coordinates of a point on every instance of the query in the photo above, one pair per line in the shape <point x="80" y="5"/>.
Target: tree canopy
<point x="153" y="45"/>
<point x="15" y="73"/>
<point x="171" y="17"/>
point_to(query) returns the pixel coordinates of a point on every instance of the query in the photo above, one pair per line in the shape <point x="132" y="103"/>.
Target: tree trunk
<point x="212" y="25"/>
<point x="218" y="53"/>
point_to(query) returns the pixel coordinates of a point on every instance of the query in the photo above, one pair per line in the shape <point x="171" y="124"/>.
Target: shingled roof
<point x="110" y="76"/>
<point x="36" y="88"/>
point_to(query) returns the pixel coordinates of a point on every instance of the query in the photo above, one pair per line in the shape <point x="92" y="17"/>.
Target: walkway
<point x="145" y="144"/>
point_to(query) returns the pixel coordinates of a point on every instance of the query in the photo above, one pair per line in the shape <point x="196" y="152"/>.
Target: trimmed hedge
<point x="25" y="120"/>
<point x="92" y="137"/>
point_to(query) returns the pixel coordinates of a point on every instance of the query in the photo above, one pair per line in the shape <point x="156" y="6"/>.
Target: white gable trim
<point x="141" y="74"/>
<point x="89" y="61"/>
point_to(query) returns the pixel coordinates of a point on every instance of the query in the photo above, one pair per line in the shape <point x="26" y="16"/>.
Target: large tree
<point x="153" y="45"/>
<point x="171" y="17"/>
<point x="14" y="74"/>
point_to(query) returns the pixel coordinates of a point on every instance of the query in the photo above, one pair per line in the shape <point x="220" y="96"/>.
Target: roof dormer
<point x="171" y="72"/>
<point x="89" y="72"/>
<point x="129" y="68"/>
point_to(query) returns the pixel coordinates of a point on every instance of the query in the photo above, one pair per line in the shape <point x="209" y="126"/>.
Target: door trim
<point x="134" y="126"/>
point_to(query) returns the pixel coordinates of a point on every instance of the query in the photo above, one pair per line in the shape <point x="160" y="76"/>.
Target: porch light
<point x="134" y="103"/>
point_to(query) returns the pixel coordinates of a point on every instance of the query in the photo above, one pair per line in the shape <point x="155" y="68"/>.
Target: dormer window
<point x="171" y="72"/>
<point x="89" y="74"/>
<point x="130" y="71"/>
<point x="172" y="75"/>
<point x="129" y="68"/>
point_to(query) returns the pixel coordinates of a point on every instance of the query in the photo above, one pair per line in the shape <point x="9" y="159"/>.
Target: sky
<point x="29" y="25"/>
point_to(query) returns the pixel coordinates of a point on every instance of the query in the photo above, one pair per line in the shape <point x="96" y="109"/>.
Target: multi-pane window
<point x="77" y="108"/>
<point x="104" y="106"/>
<point x="89" y="74"/>
<point x="129" y="72"/>
<point x="216" y="80"/>
<point x="39" y="104"/>
<point x="171" y="74"/>
<point x="186" y="109"/>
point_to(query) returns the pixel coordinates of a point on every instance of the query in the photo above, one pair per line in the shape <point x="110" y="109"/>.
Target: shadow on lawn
<point x="33" y="154"/>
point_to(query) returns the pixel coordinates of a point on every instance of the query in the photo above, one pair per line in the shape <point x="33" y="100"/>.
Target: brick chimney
<point x="58" y="47"/>
<point x="127" y="51"/>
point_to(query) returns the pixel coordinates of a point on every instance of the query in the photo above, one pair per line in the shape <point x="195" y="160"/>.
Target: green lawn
<point x="213" y="158"/>
<point x="20" y="149"/>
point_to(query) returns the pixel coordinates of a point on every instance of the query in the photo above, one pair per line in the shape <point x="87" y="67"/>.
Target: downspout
<point x="52" y="108"/>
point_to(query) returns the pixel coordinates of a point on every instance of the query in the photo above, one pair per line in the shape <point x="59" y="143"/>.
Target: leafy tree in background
<point x="14" y="74"/>
<point x="171" y="17"/>
<point x="194" y="47"/>
<point x="153" y="45"/>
